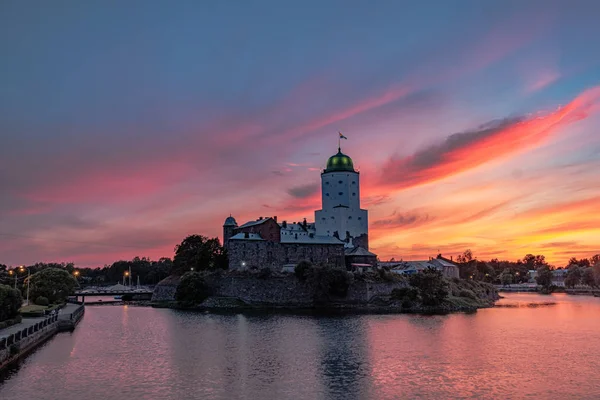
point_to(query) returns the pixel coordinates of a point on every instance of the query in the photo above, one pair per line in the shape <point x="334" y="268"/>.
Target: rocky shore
<point x="286" y="293"/>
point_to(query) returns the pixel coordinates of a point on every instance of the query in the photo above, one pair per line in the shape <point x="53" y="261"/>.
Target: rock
<point x="165" y="290"/>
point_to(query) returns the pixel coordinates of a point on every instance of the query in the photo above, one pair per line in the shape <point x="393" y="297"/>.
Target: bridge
<point x="101" y="292"/>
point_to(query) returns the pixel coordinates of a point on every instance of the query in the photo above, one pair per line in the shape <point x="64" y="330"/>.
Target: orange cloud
<point x="464" y="151"/>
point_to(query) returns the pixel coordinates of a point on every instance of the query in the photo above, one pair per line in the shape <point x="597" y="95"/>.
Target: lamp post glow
<point x="22" y="268"/>
<point x="11" y="273"/>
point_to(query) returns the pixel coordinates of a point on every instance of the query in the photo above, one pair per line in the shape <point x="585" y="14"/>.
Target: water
<point x="117" y="352"/>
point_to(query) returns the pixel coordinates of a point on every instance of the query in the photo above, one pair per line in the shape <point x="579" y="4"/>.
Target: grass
<point x="34" y="308"/>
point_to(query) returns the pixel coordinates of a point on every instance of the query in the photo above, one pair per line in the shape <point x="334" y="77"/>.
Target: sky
<point x="126" y="126"/>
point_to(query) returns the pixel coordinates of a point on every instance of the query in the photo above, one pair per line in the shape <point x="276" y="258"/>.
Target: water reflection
<point x="343" y="356"/>
<point x="144" y="353"/>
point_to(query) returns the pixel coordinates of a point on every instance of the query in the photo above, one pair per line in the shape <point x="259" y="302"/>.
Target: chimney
<point x="284" y="224"/>
<point x="275" y="218"/>
<point x="260" y="218"/>
<point x="450" y="258"/>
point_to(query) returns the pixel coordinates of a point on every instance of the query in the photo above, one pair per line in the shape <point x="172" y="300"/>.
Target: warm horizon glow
<point x="476" y="132"/>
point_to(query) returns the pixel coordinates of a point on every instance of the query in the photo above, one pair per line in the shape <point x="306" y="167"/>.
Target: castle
<point x="338" y="237"/>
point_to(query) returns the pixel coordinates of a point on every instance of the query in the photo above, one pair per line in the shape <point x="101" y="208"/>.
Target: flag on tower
<point x="342" y="136"/>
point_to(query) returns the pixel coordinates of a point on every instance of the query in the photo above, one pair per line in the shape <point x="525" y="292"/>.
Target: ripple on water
<point x="530" y="346"/>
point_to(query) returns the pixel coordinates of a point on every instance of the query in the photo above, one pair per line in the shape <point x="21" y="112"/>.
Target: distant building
<point x="338" y="237"/>
<point x="447" y="267"/>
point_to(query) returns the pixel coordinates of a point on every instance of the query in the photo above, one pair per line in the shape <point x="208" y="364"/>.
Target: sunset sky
<point x="127" y="125"/>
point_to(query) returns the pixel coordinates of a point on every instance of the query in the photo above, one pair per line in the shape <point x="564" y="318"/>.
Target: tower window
<point x="323" y="218"/>
<point x="327" y="183"/>
<point x="353" y="194"/>
<point x="359" y="217"/>
<point x="332" y="217"/>
<point x="341" y="193"/>
<point x="327" y="194"/>
<point x="349" y="216"/>
<point x="353" y="182"/>
<point x="340" y="182"/>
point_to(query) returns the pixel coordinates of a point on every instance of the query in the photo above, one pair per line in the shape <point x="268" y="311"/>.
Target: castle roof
<point x="254" y="223"/>
<point x="246" y="236"/>
<point x="339" y="162"/>
<point x="359" y="251"/>
<point x="230" y="221"/>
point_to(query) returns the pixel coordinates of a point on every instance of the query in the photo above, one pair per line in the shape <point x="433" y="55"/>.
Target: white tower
<point x="341" y="214"/>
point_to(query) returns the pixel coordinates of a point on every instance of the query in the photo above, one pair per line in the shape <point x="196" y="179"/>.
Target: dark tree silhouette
<point x="197" y="253"/>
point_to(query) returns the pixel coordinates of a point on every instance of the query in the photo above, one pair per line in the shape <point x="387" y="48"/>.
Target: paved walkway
<point x="26" y="323"/>
<point x="66" y="311"/>
<point x="63" y="313"/>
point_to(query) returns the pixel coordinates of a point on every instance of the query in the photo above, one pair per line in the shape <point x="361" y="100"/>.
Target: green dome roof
<point x="339" y="162"/>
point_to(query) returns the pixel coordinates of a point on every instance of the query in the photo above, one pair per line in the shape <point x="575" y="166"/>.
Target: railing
<point x="16" y="337"/>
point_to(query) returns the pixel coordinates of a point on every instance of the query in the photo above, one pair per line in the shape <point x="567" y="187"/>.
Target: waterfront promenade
<point x="18" y="340"/>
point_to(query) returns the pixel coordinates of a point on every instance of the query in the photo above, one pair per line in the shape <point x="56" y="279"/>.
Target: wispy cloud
<point x="497" y="139"/>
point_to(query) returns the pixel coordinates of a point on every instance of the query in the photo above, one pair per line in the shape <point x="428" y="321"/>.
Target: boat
<point x="118" y="297"/>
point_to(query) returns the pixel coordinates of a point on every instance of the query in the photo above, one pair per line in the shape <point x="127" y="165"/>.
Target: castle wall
<point x="260" y="254"/>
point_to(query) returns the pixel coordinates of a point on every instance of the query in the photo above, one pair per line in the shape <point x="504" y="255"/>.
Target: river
<point x="518" y="350"/>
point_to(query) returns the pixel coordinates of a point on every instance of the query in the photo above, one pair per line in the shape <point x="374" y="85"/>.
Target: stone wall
<point x="280" y="291"/>
<point x="165" y="290"/>
<point x="27" y="340"/>
<point x="259" y="254"/>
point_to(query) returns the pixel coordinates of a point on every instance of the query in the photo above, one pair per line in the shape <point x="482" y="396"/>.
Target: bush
<point x="41" y="301"/>
<point x="265" y="273"/>
<point x="302" y="270"/>
<point x="325" y="281"/>
<point x="408" y="293"/>
<point x="432" y="286"/>
<point x="11" y="322"/>
<point x="10" y="302"/>
<point x="14" y="349"/>
<point x="468" y="294"/>
<point x="192" y="289"/>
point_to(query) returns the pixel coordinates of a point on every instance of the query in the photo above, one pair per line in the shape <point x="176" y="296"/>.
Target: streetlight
<point x="22" y="268"/>
<point x="11" y="273"/>
<point x="125" y="275"/>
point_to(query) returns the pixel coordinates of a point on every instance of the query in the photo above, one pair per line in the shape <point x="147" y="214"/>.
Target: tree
<point x="192" y="289"/>
<point x="199" y="253"/>
<point x="465" y="257"/>
<point x="595" y="260"/>
<point x="52" y="283"/>
<point x="588" y="277"/>
<point x="584" y="262"/>
<point x="534" y="262"/>
<point x="10" y="302"/>
<point x="506" y="277"/>
<point x="544" y="277"/>
<point x="573" y="277"/>
<point x="432" y="286"/>
<point x="467" y="264"/>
